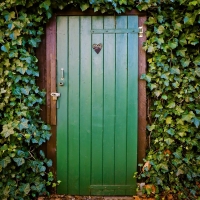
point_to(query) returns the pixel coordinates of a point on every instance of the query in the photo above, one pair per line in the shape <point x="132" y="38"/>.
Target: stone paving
<point x="68" y="197"/>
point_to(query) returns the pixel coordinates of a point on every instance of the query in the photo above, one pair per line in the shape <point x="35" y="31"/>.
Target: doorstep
<point x="68" y="197"/>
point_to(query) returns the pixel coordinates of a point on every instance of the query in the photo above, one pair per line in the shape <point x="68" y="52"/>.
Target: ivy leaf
<point x="2" y="91"/>
<point x="11" y="25"/>
<point x="189" y="18"/>
<point x="46" y="135"/>
<point x="46" y="127"/>
<point x="1" y="37"/>
<point x="175" y="70"/>
<point x="19" y="161"/>
<point x="159" y="40"/>
<point x="158" y="93"/>
<point x="180" y="121"/>
<point x="96" y="8"/>
<point x="21" y="153"/>
<point x="197" y="60"/>
<point x="171" y="105"/>
<point x="151" y="49"/>
<point x="188" y="117"/>
<point x="171" y="131"/>
<point x="177" y="154"/>
<point x="197" y="111"/>
<point x="196" y="122"/>
<point x="178" y="26"/>
<point x="165" y="76"/>
<point x="84" y="6"/>
<point x="160" y="18"/>
<point x="45" y="4"/>
<point x="123" y="2"/>
<point x="182" y="134"/>
<point x="146" y="77"/>
<point x="185" y="62"/>
<point x="5" y="47"/>
<point x="42" y="168"/>
<point x="7" y="130"/>
<point x="4" y="147"/>
<point x="179" y="172"/>
<point x="49" y="14"/>
<point x="8" y="15"/>
<point x="23" y="124"/>
<point x="25" y="90"/>
<point x="194" y="3"/>
<point x="182" y="40"/>
<point x="5" y="162"/>
<point x="179" y="110"/>
<point x="168" y="120"/>
<point x="181" y="52"/>
<point x="22" y="70"/>
<point x="160" y="29"/>
<point x="152" y="86"/>
<point x="173" y="44"/>
<point x="15" y="34"/>
<point x="197" y="71"/>
<point x="168" y="141"/>
<point x="176" y="84"/>
<point x="164" y="97"/>
<point x="42" y="154"/>
<point x="49" y="163"/>
<point x="151" y="20"/>
<point x="28" y="59"/>
<point x="151" y="128"/>
<point x="13" y="54"/>
<point x="192" y="39"/>
<point x="34" y="42"/>
<point x="25" y="188"/>
<point x="164" y="166"/>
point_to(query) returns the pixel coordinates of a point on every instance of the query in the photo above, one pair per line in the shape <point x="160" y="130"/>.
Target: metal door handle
<point x="62" y="74"/>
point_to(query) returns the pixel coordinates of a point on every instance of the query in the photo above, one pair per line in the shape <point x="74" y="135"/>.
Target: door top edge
<point x="90" y="12"/>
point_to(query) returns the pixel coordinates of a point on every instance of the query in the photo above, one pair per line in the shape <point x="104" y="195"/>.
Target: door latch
<point x="55" y="95"/>
<point x="140" y="33"/>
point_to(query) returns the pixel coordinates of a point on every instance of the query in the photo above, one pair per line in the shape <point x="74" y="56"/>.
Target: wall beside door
<point x="47" y="65"/>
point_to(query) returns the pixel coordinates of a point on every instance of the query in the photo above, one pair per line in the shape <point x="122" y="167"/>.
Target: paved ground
<point x="67" y="197"/>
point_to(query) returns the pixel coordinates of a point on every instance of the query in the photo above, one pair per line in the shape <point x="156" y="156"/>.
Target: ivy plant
<point x="23" y="168"/>
<point x="173" y="48"/>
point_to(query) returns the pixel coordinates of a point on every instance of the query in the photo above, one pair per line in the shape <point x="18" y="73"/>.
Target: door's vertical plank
<point x="132" y="107"/>
<point x="62" y="140"/>
<point x="121" y="105"/>
<point x="97" y="104"/>
<point x="73" y="106"/>
<point x="109" y="103"/>
<point x="85" y="104"/>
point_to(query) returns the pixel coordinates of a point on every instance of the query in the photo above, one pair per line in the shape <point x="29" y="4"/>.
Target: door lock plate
<point x="55" y="95"/>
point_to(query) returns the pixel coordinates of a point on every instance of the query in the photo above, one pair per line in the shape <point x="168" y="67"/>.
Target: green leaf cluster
<point x="173" y="48"/>
<point x="23" y="169"/>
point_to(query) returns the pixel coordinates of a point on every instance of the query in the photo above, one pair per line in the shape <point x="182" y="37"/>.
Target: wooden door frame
<point x="46" y="54"/>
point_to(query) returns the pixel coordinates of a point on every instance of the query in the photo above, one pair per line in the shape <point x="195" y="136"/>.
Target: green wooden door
<point x="97" y="110"/>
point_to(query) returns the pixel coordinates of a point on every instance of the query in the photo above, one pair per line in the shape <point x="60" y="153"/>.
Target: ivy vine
<point x="23" y="168"/>
<point x="172" y="164"/>
<point x="173" y="48"/>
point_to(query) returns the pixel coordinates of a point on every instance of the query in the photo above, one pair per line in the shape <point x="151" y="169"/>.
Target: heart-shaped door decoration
<point x="97" y="47"/>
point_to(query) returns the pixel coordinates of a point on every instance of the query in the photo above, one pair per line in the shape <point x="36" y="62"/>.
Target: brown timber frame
<point x="46" y="54"/>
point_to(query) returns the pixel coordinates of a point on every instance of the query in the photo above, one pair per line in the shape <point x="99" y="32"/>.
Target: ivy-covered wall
<point x="172" y="164"/>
